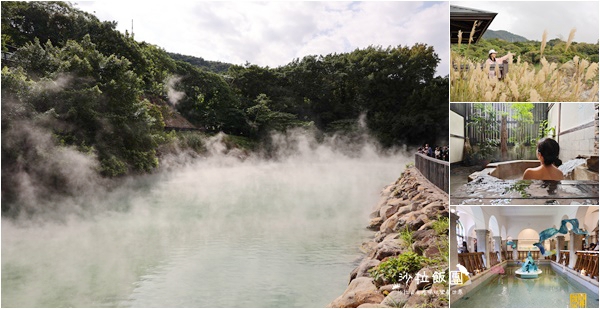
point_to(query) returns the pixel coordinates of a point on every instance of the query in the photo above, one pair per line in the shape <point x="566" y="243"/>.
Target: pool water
<point x="550" y="290"/>
<point x="489" y="190"/>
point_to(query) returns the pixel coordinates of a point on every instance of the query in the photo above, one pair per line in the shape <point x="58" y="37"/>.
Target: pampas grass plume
<point x="592" y="71"/>
<point x="544" y="37"/>
<point x="570" y="40"/>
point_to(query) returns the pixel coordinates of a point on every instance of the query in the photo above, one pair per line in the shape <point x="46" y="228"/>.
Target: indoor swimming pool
<point x="551" y="290"/>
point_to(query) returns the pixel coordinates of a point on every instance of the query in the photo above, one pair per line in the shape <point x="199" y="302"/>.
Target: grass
<point x="574" y="81"/>
<point x="406" y="237"/>
<point x="241" y="142"/>
<point x="196" y="142"/>
<point x="191" y="140"/>
<point x="441" y="225"/>
<point x="395" y="269"/>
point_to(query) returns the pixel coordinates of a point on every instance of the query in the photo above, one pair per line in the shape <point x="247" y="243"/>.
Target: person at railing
<point x="429" y="151"/>
<point x="547" y="153"/>
<point x="464" y="248"/>
<point x="493" y="60"/>
<point x="424" y="150"/>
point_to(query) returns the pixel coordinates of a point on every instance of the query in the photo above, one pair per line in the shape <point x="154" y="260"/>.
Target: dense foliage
<point x="395" y="87"/>
<point x="399" y="269"/>
<point x="100" y="93"/>
<point x="529" y="51"/>
<point x="207" y="65"/>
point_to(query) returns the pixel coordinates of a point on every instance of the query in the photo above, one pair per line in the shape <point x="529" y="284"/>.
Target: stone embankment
<point x="411" y="205"/>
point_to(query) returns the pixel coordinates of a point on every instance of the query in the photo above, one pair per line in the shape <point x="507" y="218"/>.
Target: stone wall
<point x="411" y="203"/>
<point x="577" y="130"/>
<point x="580" y="142"/>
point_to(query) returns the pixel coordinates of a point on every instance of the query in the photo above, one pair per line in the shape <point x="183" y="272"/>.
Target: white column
<point x="560" y="245"/>
<point x="498" y="246"/>
<point x="470" y="244"/>
<point x="574" y="246"/>
<point x="482" y="245"/>
<point x="453" y="244"/>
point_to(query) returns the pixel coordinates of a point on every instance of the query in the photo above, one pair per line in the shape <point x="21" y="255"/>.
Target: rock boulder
<point x="386" y="249"/>
<point x="395" y="299"/>
<point x="360" y="291"/>
<point x="362" y="270"/>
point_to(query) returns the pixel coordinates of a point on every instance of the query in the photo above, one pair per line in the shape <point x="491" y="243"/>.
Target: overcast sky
<point x="531" y="18"/>
<point x="274" y="33"/>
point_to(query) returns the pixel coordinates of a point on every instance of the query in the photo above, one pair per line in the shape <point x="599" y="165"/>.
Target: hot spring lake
<point x="218" y="233"/>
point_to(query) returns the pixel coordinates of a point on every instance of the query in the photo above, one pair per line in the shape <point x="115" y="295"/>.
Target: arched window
<point x="460" y="233"/>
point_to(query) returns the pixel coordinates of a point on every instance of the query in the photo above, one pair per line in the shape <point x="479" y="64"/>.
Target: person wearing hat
<point x="493" y="60"/>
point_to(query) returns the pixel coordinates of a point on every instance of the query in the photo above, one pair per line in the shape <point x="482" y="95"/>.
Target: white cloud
<point x="274" y="33"/>
<point x="531" y="18"/>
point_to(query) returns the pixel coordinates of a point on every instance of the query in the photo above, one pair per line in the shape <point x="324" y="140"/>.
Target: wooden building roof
<point x="462" y="18"/>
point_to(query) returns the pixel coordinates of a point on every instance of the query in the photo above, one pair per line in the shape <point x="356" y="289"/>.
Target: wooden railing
<point x="564" y="257"/>
<point x="472" y="261"/>
<point x="494" y="258"/>
<point x="436" y="171"/>
<point x="502" y="67"/>
<point x="523" y="254"/>
<point x="587" y="261"/>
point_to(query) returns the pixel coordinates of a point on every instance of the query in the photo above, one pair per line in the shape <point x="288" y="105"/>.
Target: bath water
<point x="550" y="290"/>
<point x="219" y="233"/>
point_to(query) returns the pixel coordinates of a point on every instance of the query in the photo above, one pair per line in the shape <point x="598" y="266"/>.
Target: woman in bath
<point x="547" y="153"/>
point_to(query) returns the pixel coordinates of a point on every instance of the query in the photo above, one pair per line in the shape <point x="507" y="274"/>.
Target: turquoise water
<point x="550" y="290"/>
<point x="218" y="233"/>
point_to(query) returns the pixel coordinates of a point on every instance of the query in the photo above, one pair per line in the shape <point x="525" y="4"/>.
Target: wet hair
<point x="549" y="150"/>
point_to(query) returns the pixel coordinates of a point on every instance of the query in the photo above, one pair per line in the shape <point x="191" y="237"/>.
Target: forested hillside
<point x="212" y="66"/>
<point x="555" y="50"/>
<point x="74" y="83"/>
<point x="503" y="35"/>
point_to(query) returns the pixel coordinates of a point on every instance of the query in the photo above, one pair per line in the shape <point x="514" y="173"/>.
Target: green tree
<point x="99" y="97"/>
<point x="209" y="102"/>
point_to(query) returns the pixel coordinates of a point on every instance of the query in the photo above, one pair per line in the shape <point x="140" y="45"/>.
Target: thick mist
<point x="225" y="230"/>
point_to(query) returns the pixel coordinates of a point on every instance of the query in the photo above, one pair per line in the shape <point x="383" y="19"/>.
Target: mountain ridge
<point x="504" y="35"/>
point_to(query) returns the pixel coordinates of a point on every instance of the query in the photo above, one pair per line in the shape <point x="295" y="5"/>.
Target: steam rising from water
<point x="219" y="231"/>
<point x="174" y="95"/>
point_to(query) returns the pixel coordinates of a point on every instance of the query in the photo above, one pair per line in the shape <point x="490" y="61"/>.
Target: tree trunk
<point x="504" y="139"/>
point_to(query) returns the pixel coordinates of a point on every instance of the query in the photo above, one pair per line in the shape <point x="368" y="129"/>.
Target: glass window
<point x="460" y="233"/>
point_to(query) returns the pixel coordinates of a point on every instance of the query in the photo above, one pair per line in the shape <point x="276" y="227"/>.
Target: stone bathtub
<point x="501" y="184"/>
<point x="507" y="170"/>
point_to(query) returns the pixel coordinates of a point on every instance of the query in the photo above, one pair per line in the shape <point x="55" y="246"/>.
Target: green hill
<point x="76" y="85"/>
<point x="212" y="66"/>
<point x="503" y="35"/>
